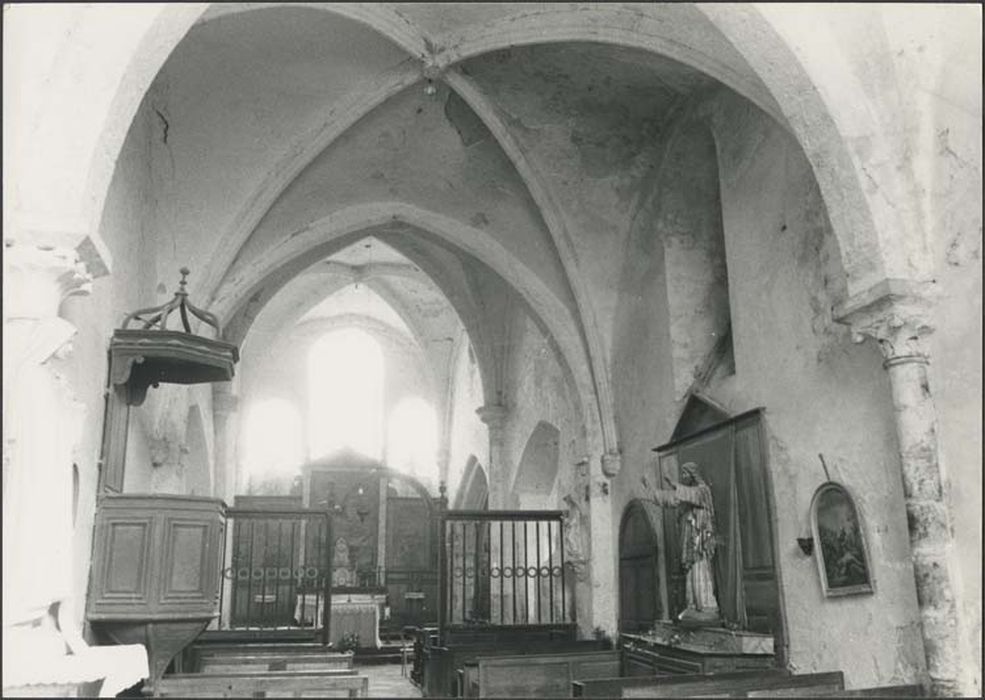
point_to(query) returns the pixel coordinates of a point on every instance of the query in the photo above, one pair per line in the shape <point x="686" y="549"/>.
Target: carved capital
<point x="493" y="415"/>
<point x="39" y="278"/>
<point x="67" y="233"/>
<point x="896" y="313"/>
<point x="611" y="463"/>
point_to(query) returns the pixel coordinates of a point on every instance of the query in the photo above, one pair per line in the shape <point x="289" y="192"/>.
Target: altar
<point x="352" y="613"/>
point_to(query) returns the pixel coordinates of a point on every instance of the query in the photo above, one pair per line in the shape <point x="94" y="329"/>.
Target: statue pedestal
<point x="710" y="639"/>
<point x="671" y="648"/>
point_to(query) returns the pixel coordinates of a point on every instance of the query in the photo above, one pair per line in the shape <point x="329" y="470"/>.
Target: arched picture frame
<point x="839" y="542"/>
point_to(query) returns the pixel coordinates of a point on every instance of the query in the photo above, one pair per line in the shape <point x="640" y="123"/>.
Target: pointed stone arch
<point x="342" y="227"/>
<point x="473" y="490"/>
<point x="538" y="467"/>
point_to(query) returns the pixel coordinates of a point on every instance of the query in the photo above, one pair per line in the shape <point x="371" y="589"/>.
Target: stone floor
<point x="385" y="681"/>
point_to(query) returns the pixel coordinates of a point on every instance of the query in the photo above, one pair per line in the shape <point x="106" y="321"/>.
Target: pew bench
<point x="252" y="662"/>
<point x="535" y="675"/>
<point x="193" y="658"/>
<point x="737" y="684"/>
<point x="442" y="663"/>
<point x="270" y="684"/>
<point x="614" y="687"/>
<point x="885" y="691"/>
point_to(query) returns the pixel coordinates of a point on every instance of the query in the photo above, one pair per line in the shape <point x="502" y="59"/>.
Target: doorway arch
<point x="640" y="601"/>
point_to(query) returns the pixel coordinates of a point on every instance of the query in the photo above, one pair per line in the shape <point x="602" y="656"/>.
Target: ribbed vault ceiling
<point x="285" y="123"/>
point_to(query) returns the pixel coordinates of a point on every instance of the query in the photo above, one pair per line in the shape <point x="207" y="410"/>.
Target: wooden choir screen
<point x="503" y="569"/>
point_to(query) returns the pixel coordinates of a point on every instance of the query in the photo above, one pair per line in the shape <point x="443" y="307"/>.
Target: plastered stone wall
<point x="822" y="395"/>
<point x="468" y="436"/>
<point x="539" y="389"/>
<point x="592" y="130"/>
<point x="129" y="229"/>
<point x="955" y="229"/>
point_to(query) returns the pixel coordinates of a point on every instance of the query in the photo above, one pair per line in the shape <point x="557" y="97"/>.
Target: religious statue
<point x="697" y="539"/>
<point x="575" y="549"/>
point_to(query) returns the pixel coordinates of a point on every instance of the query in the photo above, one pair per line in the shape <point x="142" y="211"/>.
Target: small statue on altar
<point x="697" y="540"/>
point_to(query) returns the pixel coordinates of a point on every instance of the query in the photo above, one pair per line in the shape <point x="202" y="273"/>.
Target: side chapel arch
<point x="473" y="490"/>
<point x="538" y="467"/>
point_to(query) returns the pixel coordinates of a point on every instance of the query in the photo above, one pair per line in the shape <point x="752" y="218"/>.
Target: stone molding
<point x="39" y="278"/>
<point x="896" y="313"/>
<point x="45" y="234"/>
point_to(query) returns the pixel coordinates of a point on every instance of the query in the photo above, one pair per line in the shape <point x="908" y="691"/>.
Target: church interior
<point x="584" y="349"/>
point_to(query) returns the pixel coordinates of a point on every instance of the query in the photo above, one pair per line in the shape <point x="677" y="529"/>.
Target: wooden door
<point x="638" y="593"/>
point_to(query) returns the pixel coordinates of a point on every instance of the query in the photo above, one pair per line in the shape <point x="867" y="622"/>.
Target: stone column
<point x="381" y="530"/>
<point x="42" y="420"/>
<point x="897" y="318"/>
<point x="225" y="422"/>
<point x="494" y="416"/>
<point x="603" y="542"/>
<point x="225" y="412"/>
<point x="444" y="462"/>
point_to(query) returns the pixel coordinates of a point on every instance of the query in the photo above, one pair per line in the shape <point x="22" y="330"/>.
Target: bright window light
<point x="272" y="440"/>
<point x="345" y="394"/>
<point x="413" y="438"/>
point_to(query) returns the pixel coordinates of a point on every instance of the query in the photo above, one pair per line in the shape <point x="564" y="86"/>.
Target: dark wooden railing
<point x="277" y="570"/>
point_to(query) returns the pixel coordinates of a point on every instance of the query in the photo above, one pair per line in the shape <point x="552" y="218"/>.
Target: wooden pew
<point x="442" y="663"/>
<point x="885" y="691"/>
<point x="738" y="684"/>
<point x="615" y="687"/>
<point x="193" y="657"/>
<point x="251" y="662"/>
<point x="535" y="675"/>
<point x="271" y="684"/>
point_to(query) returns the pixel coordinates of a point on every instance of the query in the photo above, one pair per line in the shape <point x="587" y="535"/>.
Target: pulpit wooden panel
<point x="155" y="556"/>
<point x="155" y="572"/>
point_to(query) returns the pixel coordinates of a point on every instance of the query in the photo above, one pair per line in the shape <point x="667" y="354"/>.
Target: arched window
<point x="413" y="440"/>
<point x="345" y="394"/>
<point x="272" y="439"/>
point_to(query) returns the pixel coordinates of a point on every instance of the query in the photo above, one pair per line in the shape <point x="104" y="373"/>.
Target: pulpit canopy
<point x="152" y="354"/>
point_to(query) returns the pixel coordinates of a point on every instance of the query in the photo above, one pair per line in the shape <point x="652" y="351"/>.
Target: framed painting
<point x="839" y="542"/>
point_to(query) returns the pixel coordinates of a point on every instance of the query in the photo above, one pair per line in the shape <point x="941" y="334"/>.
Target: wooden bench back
<point x="225" y="663"/>
<point x="442" y="664"/>
<point x="885" y="691"/>
<point x="267" y="684"/>
<point x="539" y="675"/>
<point x="762" y="686"/>
<point x="613" y="687"/>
